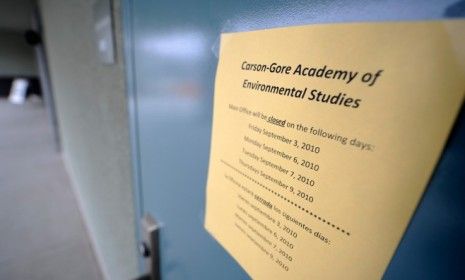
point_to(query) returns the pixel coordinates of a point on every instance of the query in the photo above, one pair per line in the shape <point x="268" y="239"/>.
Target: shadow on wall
<point x="456" y="10"/>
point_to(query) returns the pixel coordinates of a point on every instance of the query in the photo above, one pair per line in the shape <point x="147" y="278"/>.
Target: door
<point x="172" y="53"/>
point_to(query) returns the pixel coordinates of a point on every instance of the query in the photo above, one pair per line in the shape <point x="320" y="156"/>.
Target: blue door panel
<point x="173" y="51"/>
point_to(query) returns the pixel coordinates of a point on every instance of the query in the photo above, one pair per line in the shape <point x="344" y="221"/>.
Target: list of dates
<point x="291" y="173"/>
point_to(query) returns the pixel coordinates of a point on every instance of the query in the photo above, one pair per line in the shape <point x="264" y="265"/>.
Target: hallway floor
<point x="42" y="235"/>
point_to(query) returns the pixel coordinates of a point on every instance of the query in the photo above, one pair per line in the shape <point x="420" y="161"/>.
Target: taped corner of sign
<point x="216" y="46"/>
<point x="227" y="28"/>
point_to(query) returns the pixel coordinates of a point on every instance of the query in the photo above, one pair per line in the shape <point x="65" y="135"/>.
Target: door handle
<point x="149" y="246"/>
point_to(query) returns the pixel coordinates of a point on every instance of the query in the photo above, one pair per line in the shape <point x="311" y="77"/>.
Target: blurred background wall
<point x="16" y="57"/>
<point x="91" y="104"/>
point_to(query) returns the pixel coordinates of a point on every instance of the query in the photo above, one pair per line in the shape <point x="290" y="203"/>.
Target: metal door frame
<point x="131" y="90"/>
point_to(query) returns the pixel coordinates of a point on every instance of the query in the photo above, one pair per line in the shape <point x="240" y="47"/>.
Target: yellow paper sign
<point x="324" y="138"/>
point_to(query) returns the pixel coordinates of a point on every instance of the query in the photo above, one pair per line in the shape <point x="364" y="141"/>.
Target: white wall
<point x="92" y="113"/>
